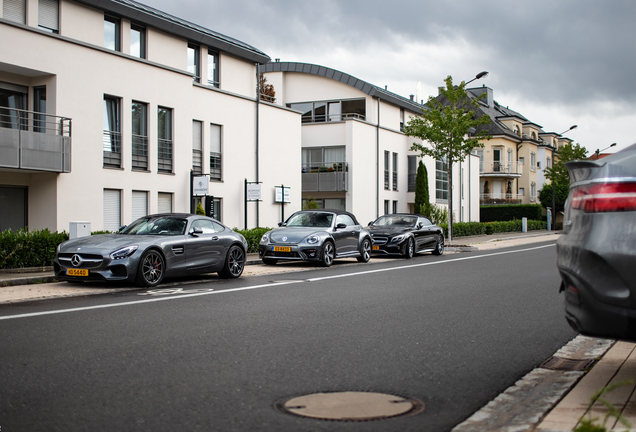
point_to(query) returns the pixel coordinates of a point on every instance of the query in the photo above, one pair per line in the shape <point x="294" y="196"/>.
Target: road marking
<point x="172" y="291"/>
<point x="267" y="285"/>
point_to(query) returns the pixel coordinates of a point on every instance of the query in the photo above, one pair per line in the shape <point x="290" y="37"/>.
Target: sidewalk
<point x="551" y="398"/>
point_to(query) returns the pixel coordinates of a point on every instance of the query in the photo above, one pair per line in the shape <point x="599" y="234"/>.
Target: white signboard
<point x="200" y="185"/>
<point x="253" y="192"/>
<point x="279" y="194"/>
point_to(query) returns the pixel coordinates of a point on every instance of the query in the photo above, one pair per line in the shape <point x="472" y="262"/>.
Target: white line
<point x="268" y="285"/>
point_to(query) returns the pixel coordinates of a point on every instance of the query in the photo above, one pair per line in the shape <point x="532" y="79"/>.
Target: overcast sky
<point x="556" y="62"/>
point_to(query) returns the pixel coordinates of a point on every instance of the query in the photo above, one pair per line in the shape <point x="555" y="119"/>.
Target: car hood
<point x="293" y="234"/>
<point x="107" y="242"/>
<point x="388" y="231"/>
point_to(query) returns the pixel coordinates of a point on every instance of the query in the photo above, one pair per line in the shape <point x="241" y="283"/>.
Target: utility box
<point x="79" y="229"/>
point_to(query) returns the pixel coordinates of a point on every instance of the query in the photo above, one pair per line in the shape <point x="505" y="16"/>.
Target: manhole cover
<point x="350" y="406"/>
<point x="564" y="364"/>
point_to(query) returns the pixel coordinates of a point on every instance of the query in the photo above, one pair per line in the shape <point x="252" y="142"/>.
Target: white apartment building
<point x="106" y="106"/>
<point x="354" y="154"/>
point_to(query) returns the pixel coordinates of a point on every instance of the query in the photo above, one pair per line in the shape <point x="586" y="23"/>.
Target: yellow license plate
<point x="76" y="272"/>
<point x="282" y="249"/>
<point x="376" y="247"/>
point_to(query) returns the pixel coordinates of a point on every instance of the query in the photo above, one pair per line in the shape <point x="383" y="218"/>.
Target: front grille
<point x="379" y="240"/>
<point x="89" y="261"/>
<point x="271" y="254"/>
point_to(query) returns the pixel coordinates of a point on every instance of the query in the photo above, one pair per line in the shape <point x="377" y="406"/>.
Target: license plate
<point x="76" y="272"/>
<point x="376" y="247"/>
<point x="282" y="249"/>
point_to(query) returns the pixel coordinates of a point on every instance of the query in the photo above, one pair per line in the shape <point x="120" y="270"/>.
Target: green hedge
<point x="462" y="229"/>
<point x="19" y="249"/>
<point x="509" y="212"/>
<point x="253" y="237"/>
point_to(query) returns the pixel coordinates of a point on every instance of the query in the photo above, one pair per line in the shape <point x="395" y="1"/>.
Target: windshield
<point x="393" y="220"/>
<point x="311" y="219"/>
<point x="157" y="226"/>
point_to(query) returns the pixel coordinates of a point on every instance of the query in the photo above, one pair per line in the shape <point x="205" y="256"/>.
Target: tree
<point x="310" y="204"/>
<point x="268" y="94"/>
<point x="200" y="210"/>
<point x="558" y="173"/>
<point x="446" y="128"/>
<point x="422" y="198"/>
<point x="560" y="195"/>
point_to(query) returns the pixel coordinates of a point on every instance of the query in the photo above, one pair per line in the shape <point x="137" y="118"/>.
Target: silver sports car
<point x="154" y="247"/>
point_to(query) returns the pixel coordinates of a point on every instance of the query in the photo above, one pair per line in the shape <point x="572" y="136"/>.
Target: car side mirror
<point x="419" y="225"/>
<point x="196" y="231"/>
<point x="280" y="224"/>
<point x="341" y="226"/>
<point x="370" y="223"/>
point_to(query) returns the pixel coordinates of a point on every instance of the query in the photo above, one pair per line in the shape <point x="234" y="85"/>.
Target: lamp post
<point x="553" y="191"/>
<point x="598" y="152"/>
<point x="478" y="76"/>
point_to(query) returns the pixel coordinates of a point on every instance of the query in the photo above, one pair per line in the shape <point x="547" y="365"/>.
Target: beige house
<point x="355" y="156"/>
<point x="512" y="163"/>
<point x="107" y="106"/>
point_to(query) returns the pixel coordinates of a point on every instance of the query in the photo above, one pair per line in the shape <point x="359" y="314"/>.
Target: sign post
<point x="198" y="187"/>
<point x="282" y="196"/>
<point x="252" y="193"/>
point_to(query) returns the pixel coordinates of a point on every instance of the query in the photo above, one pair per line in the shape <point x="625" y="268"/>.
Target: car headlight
<point x="397" y="238"/>
<point x="265" y="238"/>
<point x="123" y="252"/>
<point x="313" y="239"/>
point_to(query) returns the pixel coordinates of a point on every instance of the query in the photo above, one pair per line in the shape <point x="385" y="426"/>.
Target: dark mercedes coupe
<point x="405" y="234"/>
<point x="316" y="235"/>
<point x="154" y="247"/>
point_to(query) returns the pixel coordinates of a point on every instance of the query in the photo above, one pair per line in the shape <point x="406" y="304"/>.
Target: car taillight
<point x="608" y="197"/>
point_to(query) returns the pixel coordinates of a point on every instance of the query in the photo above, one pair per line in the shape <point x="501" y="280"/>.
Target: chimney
<point x="488" y="99"/>
<point x="277" y="60"/>
<point x="412" y="96"/>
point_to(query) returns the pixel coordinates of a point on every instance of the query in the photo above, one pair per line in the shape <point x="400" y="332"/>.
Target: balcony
<point x="500" y="169"/>
<point x="500" y="198"/>
<point x="325" y="177"/>
<point x="34" y="141"/>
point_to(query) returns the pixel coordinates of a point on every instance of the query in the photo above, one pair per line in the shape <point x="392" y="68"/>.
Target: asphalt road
<point x="452" y="331"/>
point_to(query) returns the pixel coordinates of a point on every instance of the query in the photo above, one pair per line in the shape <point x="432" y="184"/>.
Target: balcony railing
<point x="139" y="152"/>
<point x="324" y="118"/>
<point x="501" y="167"/>
<point x="164" y="160"/>
<point x="325" y="177"/>
<point x="34" y="141"/>
<point x="111" y="146"/>
<point x="500" y="198"/>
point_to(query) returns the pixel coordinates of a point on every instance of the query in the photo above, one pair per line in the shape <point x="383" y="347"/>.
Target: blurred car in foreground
<point x="405" y="234"/>
<point x="154" y="247"/>
<point x="596" y="256"/>
<point x="316" y="235"/>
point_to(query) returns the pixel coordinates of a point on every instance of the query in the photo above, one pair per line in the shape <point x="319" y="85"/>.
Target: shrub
<point x="462" y="229"/>
<point x="508" y="212"/>
<point x="20" y="249"/>
<point x="253" y="237"/>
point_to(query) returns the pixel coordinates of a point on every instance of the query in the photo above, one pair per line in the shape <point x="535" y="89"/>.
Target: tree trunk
<point x="450" y="201"/>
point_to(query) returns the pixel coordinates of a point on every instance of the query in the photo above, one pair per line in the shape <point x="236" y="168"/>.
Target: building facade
<point x="106" y="107"/>
<point x="355" y="156"/>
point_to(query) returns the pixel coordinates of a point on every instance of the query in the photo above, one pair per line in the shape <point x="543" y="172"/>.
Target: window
<point x="194" y="66"/>
<point x="48" y="15"/>
<point x="12" y="99"/>
<point x="213" y="68"/>
<point x="13" y="208"/>
<point x="320" y="112"/>
<point x="139" y="204"/>
<point x="215" y="210"/>
<point x="111" y="33"/>
<point x="441" y="180"/>
<point x="139" y="136"/>
<point x="345" y="219"/>
<point x="401" y="119"/>
<point x="164" y="202"/>
<point x="395" y="207"/>
<point x="548" y="161"/>
<point x="112" y="209"/>
<point x="522" y="191"/>
<point x="164" y="140"/>
<point x="215" y="153"/>
<point x="533" y="191"/>
<point x="329" y="203"/>
<point x="412" y="167"/>
<point x="522" y="160"/>
<point x="386" y="170"/>
<point x="14" y="10"/>
<point x="386" y="207"/>
<point x="112" y="132"/>
<point x="395" y="171"/>
<point x="39" y="105"/>
<point x="539" y="165"/>
<point x="137" y="41"/>
<point x="533" y="161"/>
<point x="197" y="147"/>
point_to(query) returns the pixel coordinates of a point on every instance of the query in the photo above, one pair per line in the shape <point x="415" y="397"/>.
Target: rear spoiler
<point x="581" y="170"/>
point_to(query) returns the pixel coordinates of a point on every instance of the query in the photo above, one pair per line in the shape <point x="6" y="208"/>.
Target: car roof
<point x="335" y="211"/>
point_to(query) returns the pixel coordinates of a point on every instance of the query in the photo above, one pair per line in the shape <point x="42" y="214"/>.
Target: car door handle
<point x="215" y="238"/>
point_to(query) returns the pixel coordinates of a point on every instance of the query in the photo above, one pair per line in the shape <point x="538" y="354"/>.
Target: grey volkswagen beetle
<point x="152" y="248"/>
<point x="316" y="235"/>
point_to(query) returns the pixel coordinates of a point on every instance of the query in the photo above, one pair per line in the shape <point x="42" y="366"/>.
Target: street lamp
<point x="571" y="127"/>
<point x="598" y="152"/>
<point x="478" y="76"/>
<point x="553" y="187"/>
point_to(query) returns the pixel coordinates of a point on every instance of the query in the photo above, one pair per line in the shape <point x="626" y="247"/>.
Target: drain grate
<point x="351" y="406"/>
<point x="564" y="364"/>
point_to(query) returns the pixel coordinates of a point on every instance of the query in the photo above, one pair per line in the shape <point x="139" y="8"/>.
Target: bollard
<point x="524" y="224"/>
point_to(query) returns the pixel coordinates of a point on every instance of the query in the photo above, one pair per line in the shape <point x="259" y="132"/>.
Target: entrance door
<point x="496" y="189"/>
<point x="13" y="208"/>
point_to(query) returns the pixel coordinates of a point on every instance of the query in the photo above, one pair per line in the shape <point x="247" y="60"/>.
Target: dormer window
<point x="517" y="130"/>
<point x="534" y="136"/>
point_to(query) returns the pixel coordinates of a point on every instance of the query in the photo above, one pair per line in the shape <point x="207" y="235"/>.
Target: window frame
<point x="195" y="67"/>
<point x="216" y="158"/>
<point x="116" y="32"/>
<point x="165" y="145"/>
<point x="139" y="141"/>
<point x="216" y="82"/>
<point x="395" y="172"/>
<point x="197" y="148"/>
<point x="142" y="40"/>
<point x="113" y="135"/>
<point x="386" y="170"/>
<point x="49" y="14"/>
